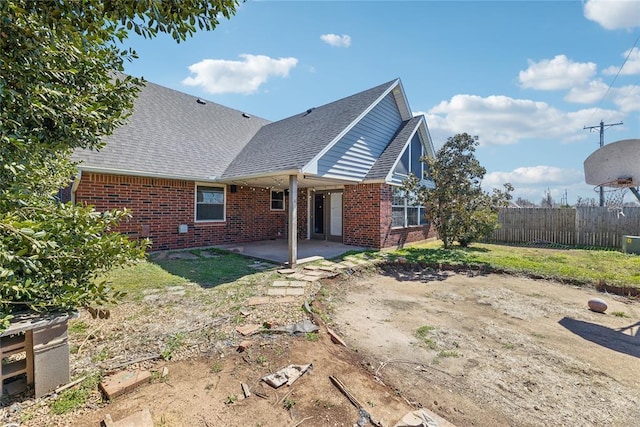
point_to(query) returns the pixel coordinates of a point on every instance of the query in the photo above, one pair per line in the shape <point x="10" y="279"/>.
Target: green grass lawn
<point x="158" y="273"/>
<point x="575" y="265"/>
<point x="570" y="265"/>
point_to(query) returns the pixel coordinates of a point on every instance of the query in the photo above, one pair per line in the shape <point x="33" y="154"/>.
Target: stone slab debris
<point x="422" y="418"/>
<point x="165" y="372"/>
<point x="598" y="305"/>
<point x="310" y="278"/>
<point x="248" y="329"/>
<point x="335" y="338"/>
<point x="327" y="268"/>
<point x="328" y="263"/>
<point x="311" y="267"/>
<point x="284" y="300"/>
<point x="287" y="375"/>
<point x="348" y="264"/>
<point x="286" y="271"/>
<point x="304" y="326"/>
<point x="258" y="300"/>
<point x="123" y="382"/>
<point x="245" y="390"/>
<point x="245" y="345"/>
<point x="139" y="419"/>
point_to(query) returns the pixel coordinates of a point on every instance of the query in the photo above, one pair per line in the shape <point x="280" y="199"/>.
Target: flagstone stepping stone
<point x="348" y="264"/>
<point x="328" y="263"/>
<point x="182" y="255"/>
<point x="253" y="301"/>
<point x="207" y="254"/>
<point x="330" y="269"/>
<point x="289" y="284"/>
<point x="315" y="273"/>
<point x="285" y="291"/>
<point x="312" y="267"/>
<point x="286" y="271"/>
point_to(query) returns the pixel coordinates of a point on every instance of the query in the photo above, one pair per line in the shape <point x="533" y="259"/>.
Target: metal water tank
<point x="631" y="244"/>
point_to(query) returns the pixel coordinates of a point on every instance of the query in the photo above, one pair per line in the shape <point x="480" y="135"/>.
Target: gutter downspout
<point x="75" y="185"/>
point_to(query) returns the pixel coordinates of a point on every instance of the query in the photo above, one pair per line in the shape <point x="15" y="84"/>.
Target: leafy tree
<point x="524" y="203"/>
<point x="458" y="207"/>
<point x="547" y="200"/>
<point x="61" y="88"/>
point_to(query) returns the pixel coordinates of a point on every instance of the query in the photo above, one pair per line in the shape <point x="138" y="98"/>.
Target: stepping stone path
<point x="297" y="279"/>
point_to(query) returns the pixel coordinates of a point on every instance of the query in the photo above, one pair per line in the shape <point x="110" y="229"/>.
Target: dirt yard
<point x="498" y="350"/>
<point x="477" y="350"/>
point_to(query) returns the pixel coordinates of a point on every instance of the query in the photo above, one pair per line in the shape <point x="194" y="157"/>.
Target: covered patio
<point x="278" y="250"/>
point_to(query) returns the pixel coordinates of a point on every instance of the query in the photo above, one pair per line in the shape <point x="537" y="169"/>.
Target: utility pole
<point x="602" y="127"/>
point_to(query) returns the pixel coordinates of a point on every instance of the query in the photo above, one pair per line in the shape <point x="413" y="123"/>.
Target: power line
<point x="602" y="127"/>
<point x="616" y="76"/>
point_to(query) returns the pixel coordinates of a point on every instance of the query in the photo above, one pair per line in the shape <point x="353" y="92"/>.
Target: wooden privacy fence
<point x="588" y="226"/>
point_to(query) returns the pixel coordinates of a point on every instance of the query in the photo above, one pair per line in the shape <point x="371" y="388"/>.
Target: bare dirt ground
<point x="493" y="350"/>
<point x="499" y="350"/>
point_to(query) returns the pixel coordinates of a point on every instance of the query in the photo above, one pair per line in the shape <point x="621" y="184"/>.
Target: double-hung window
<point x="277" y="200"/>
<point x="405" y="210"/>
<point x="209" y="203"/>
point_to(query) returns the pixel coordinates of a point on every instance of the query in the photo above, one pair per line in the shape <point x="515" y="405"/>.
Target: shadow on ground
<point x="614" y="339"/>
<point x="209" y="268"/>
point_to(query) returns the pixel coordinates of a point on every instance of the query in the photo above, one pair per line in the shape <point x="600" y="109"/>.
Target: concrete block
<point x="50" y="358"/>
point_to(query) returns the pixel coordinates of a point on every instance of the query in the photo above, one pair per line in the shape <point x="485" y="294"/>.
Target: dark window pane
<point x="416" y="153"/>
<point x="397" y="217"/>
<point x="210" y="204"/>
<point x="412" y="216"/>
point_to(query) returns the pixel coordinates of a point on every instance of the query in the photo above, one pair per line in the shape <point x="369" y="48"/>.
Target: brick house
<point x="195" y="173"/>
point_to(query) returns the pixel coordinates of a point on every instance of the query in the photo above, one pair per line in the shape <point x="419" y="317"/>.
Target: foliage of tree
<point x="547" y="200"/>
<point x="61" y="89"/>
<point x="524" y="203"/>
<point x="458" y="207"/>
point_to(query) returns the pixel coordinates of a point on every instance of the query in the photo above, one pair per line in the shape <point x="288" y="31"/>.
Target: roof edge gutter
<point x="112" y="171"/>
<point x="260" y="175"/>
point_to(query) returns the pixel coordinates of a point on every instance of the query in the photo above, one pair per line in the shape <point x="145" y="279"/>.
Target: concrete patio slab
<point x="278" y="250"/>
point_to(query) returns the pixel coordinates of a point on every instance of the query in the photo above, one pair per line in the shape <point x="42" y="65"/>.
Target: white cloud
<point x="557" y="73"/>
<point x="613" y="14"/>
<point x="245" y="76"/>
<point x="590" y="93"/>
<point x="336" y="40"/>
<point x="631" y="67"/>
<point x="534" y="175"/>
<point x="533" y="182"/>
<point x="500" y="120"/>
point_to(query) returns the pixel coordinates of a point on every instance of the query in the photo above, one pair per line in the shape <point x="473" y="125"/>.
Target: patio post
<point x="293" y="220"/>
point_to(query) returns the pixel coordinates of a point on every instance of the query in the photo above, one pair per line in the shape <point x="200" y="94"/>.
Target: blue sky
<point x="525" y="76"/>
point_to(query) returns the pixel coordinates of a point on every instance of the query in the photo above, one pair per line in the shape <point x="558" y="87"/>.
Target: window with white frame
<point x="405" y="210"/>
<point x="209" y="203"/>
<point x="277" y="200"/>
<point x="410" y="160"/>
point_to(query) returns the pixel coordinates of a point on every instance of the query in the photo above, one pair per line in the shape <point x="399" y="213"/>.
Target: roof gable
<point x="172" y="134"/>
<point x="295" y="142"/>
<point x="387" y="167"/>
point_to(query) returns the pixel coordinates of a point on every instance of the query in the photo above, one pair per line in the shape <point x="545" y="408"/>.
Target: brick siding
<point x="159" y="206"/>
<point x="367" y="220"/>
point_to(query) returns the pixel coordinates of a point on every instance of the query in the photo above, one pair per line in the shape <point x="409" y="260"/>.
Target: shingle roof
<point x="385" y="162"/>
<point x="170" y="134"/>
<point x="291" y="143"/>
